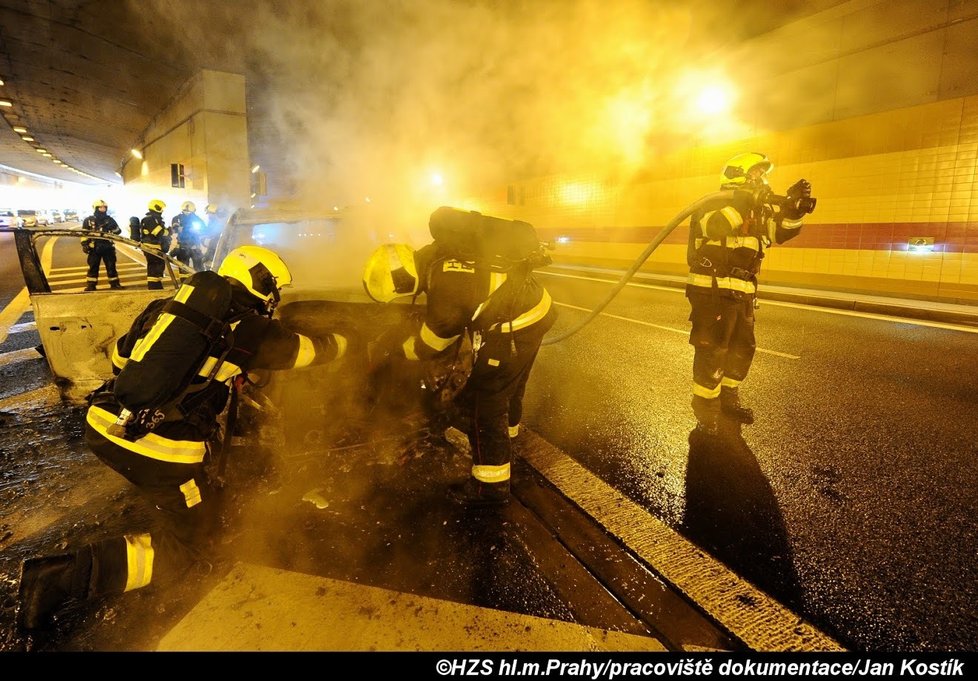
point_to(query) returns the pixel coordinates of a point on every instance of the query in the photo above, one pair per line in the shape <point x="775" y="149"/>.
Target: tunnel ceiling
<point x="86" y="77"/>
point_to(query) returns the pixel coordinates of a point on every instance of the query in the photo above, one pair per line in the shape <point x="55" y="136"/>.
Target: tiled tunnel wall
<point x="890" y="166"/>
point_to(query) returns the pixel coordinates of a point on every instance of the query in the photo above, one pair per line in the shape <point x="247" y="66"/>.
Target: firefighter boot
<point x="707" y="414"/>
<point x="90" y="286"/>
<point x="475" y="494"/>
<point x="47" y="583"/>
<point x="731" y="406"/>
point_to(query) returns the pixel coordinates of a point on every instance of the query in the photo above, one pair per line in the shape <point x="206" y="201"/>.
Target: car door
<point x="78" y="329"/>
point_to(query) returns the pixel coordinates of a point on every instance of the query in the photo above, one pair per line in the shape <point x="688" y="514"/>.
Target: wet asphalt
<point x="851" y="499"/>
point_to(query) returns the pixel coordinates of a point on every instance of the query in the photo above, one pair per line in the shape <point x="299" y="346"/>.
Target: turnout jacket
<point x="99" y="222"/>
<point x="464" y="296"/>
<point x="258" y="343"/>
<point x="154" y="232"/>
<point x="727" y="242"/>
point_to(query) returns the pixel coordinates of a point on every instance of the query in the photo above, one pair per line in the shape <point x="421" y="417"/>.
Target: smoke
<point x="358" y="99"/>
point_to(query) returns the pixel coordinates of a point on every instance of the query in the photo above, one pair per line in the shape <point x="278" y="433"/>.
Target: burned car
<point x="370" y="396"/>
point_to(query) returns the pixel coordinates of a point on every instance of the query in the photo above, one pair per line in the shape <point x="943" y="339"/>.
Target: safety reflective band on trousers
<point x="150" y="445"/>
<point x="491" y="474"/>
<point x="530" y="317"/>
<point x="139" y="559"/>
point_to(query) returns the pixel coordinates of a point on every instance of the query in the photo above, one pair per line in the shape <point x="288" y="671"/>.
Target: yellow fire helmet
<point x="156" y="205"/>
<point x="391" y="273"/>
<point x="188" y="207"/>
<point x="738" y="170"/>
<point x="99" y="203"/>
<point x="261" y="271"/>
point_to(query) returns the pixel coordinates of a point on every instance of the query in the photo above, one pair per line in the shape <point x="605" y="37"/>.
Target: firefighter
<point x="726" y="246"/>
<point x="167" y="464"/>
<point x="188" y="229"/>
<point x="505" y="315"/>
<point x="100" y="250"/>
<point x="156" y="237"/>
<point x="212" y="232"/>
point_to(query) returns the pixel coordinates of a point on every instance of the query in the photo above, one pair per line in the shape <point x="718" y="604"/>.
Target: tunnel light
<point x="437" y="179"/>
<point x="27" y="138"/>
<point x="920" y="244"/>
<point x="6" y="102"/>
<point x="256" y="168"/>
<point x="366" y="199"/>
<point x="41" y="151"/>
<point x="20" y="129"/>
<point x="136" y="153"/>
<point x="563" y="239"/>
<point x="714" y="99"/>
<point x="1" y="82"/>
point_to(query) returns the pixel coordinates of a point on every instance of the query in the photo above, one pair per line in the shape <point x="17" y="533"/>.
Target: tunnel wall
<point x="875" y="103"/>
<point x="205" y="130"/>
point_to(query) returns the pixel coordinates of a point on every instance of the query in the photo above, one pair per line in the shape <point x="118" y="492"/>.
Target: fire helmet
<point x="188" y="207"/>
<point x="738" y="170"/>
<point x="156" y="206"/>
<point x="259" y="270"/>
<point x="391" y="273"/>
<point x="99" y="203"/>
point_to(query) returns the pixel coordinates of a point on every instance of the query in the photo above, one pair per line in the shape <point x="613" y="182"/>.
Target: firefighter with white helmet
<point x="726" y="246"/>
<point x="188" y="231"/>
<point x="166" y="462"/>
<point x="100" y="250"/>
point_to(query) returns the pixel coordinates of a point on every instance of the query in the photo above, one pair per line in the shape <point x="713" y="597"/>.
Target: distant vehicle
<point x="43" y="218"/>
<point x="56" y="216"/>
<point x="27" y="218"/>
<point x="71" y="215"/>
<point x="7" y="218"/>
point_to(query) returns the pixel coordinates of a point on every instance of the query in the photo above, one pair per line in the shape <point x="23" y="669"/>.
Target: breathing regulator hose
<point x="659" y="238"/>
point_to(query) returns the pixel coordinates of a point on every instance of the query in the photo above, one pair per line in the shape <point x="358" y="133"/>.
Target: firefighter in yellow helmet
<point x="165" y="460"/>
<point x="100" y="250"/>
<point x="505" y="315"/>
<point x="726" y="246"/>
<point x="156" y="237"/>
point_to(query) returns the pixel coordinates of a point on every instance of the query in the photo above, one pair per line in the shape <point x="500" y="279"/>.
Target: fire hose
<point x="659" y="238"/>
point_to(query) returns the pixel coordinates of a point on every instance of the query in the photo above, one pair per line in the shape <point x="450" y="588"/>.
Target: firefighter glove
<point x="800" y="189"/>
<point x="799" y="201"/>
<point x="86" y="248"/>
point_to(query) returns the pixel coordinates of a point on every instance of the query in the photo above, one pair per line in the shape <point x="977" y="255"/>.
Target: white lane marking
<point x="800" y="306"/>
<point x="18" y="306"/>
<point x="15" y="356"/>
<point x="63" y="272"/>
<point x="21" y="328"/>
<point x="684" y="332"/>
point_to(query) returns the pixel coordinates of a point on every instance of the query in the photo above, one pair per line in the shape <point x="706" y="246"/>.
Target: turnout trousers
<point x="493" y="397"/>
<point x="96" y="256"/>
<point x="723" y="340"/>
